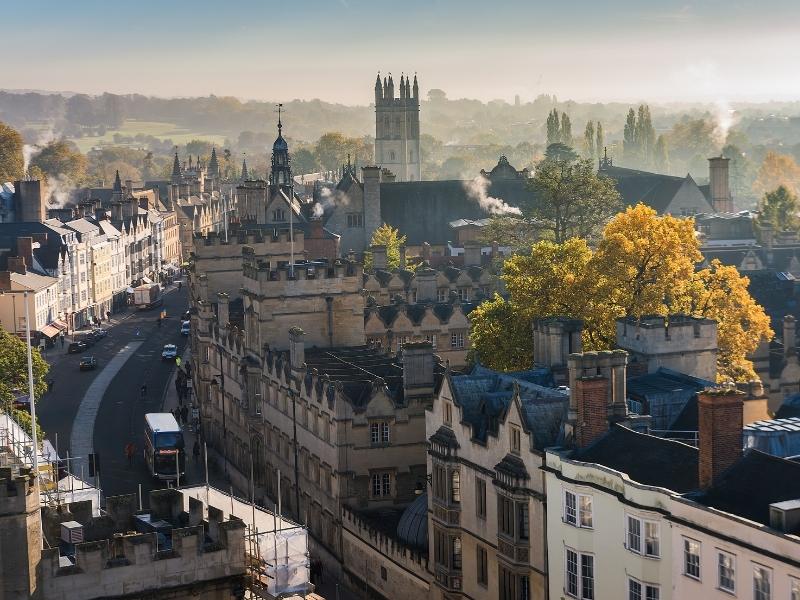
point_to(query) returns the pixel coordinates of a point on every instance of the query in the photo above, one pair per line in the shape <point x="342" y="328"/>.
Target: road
<point x="118" y="411"/>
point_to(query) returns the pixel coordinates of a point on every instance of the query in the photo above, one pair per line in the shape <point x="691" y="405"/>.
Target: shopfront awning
<point x="50" y="331"/>
<point x="60" y="324"/>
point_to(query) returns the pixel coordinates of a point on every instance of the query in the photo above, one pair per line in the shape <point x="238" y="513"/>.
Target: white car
<point x="185" y="327"/>
<point x="170" y="352"/>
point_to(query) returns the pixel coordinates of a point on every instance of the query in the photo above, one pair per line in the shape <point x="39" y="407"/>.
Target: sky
<point x="604" y="50"/>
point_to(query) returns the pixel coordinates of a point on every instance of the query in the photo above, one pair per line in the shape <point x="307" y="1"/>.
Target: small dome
<point x="412" y="529"/>
<point x="280" y="144"/>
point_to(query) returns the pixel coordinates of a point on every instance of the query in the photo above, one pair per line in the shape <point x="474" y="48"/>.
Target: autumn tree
<point x="569" y="198"/>
<point x="504" y="339"/>
<point x="12" y="163"/>
<point x="777" y="170"/>
<point x="14" y="367"/>
<point x="61" y="157"/>
<point x="332" y="148"/>
<point x="644" y="264"/>
<point x="779" y="210"/>
<point x="388" y="236"/>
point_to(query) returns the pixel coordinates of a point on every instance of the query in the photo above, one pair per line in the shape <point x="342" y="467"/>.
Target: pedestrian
<point x="130" y="450"/>
<point x="62" y="339"/>
<point x="180" y="284"/>
<point x="196" y="450"/>
<point x="108" y="315"/>
<point x="184" y="414"/>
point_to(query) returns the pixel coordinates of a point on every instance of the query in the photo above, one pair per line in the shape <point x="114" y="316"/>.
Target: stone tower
<point x="397" y="128"/>
<point x="20" y="534"/>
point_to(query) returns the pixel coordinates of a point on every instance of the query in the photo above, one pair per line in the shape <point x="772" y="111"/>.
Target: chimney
<point x="5" y="281"/>
<point x="426" y="251"/>
<point x="720" y="423"/>
<point x="25" y="249"/>
<point x="495" y="250"/>
<point x="223" y="313"/>
<point x="297" y="348"/>
<point x="379" y="258"/>
<point x="418" y="371"/>
<point x="472" y="253"/>
<point x="16" y="264"/>
<point x="371" y="176"/>
<point x="30" y="200"/>
<point x="590" y="397"/>
<point x="789" y="339"/>
<point x="315" y="229"/>
<point x="426" y="284"/>
<point x="116" y="211"/>
<point x="387" y="176"/>
<point x="719" y="184"/>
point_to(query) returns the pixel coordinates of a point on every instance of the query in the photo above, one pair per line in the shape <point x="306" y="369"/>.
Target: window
<point x="278" y="214"/>
<point x="727" y="572"/>
<point x="457" y="340"/>
<point x="355" y="220"/>
<point x="577" y="509"/>
<point x="455" y="487"/>
<point x="515" y="439"/>
<point x="429" y="337"/>
<point x="379" y="433"/>
<point x="384" y="574"/>
<point x="439" y="482"/>
<point x="463" y="294"/>
<point x="571" y="572"/>
<point x="522" y="520"/>
<point x="391" y="155"/>
<point x="642" y="591"/>
<point x="505" y="516"/>
<point x="456" y="562"/>
<point x="762" y="583"/>
<point x="587" y="576"/>
<point x="441" y="294"/>
<point x="480" y="498"/>
<point x="691" y="558"/>
<point x="448" y="413"/>
<point x="650" y="545"/>
<point x="381" y="485"/>
<point x="483" y="566"/>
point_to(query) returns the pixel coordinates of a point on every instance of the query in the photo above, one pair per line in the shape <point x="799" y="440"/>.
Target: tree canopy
<point x="14" y="367"/>
<point x="779" y="209"/>
<point x="777" y="170"/>
<point x="61" y="158"/>
<point x="12" y="163"/>
<point x="644" y="264"/>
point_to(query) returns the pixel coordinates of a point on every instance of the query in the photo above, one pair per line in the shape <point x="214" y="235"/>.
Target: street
<point x="113" y="403"/>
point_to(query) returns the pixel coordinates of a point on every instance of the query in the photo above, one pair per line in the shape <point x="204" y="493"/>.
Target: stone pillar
<point x="472" y="253"/>
<point x="720" y="424"/>
<point x="379" y="258"/>
<point x="202" y="284"/>
<point x="418" y="372"/>
<point x="789" y="339"/>
<point x="223" y="312"/>
<point x="426" y="285"/>
<point x="297" y="349"/>
<point x="619" y="363"/>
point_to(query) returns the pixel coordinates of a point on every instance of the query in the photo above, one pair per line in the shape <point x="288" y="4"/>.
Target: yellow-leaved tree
<point x="388" y="236"/>
<point x="643" y="265"/>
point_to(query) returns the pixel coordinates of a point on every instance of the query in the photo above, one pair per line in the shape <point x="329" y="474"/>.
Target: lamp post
<point x="221" y="377"/>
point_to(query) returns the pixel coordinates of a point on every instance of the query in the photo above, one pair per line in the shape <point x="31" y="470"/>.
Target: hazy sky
<point x="586" y="50"/>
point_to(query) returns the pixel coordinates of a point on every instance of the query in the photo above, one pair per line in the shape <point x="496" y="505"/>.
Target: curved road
<point x="66" y="412"/>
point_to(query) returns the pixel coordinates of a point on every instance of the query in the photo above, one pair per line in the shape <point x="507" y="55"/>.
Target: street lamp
<point x="221" y="383"/>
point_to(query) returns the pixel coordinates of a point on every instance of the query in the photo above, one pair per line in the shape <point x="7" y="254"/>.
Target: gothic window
<point x="278" y="214"/>
<point x="391" y="156"/>
<point x="355" y="220"/>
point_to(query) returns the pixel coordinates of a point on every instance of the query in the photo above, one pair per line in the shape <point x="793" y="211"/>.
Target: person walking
<point x="196" y="450"/>
<point x="130" y="450"/>
<point x="62" y="336"/>
<point x="184" y="414"/>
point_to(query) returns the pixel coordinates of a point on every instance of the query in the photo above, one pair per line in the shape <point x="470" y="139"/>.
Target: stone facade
<point x="397" y="146"/>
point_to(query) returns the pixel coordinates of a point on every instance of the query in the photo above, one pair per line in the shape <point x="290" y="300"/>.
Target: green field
<point x="161" y="130"/>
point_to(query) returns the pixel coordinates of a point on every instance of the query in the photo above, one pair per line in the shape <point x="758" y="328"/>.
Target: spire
<point x="117" y="183"/>
<point x="176" y="169"/>
<point x="245" y="174"/>
<point x="391" y="87"/>
<point x="402" y="86"/>
<point x="378" y="89"/>
<point x="416" y="87"/>
<point x="190" y="162"/>
<point x="213" y="165"/>
<point x="385" y="87"/>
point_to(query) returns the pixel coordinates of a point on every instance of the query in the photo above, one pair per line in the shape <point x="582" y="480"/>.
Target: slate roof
<point x="751" y="484"/>
<point x="47" y="256"/>
<point x="423" y="210"/>
<point x="665" y="394"/>
<point x="789" y="408"/>
<point x="645" y="458"/>
<point x="388" y="313"/>
<point x="654" y="189"/>
<point x="412" y="529"/>
<point x="485" y="397"/>
<point x="358" y="368"/>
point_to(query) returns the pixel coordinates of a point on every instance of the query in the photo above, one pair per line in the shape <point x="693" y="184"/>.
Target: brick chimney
<point x="25" y="249"/>
<point x="719" y="184"/>
<point x="591" y="396"/>
<point x="315" y="229"/>
<point x="720" y="425"/>
<point x="16" y="264"/>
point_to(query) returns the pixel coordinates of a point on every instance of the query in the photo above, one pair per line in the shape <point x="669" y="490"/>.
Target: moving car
<point x="88" y="363"/>
<point x="185" y="326"/>
<point x="170" y="352"/>
<point x="77" y="347"/>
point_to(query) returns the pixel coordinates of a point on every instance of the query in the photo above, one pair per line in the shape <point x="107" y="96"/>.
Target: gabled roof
<point x="644" y="458"/>
<point x="654" y="189"/>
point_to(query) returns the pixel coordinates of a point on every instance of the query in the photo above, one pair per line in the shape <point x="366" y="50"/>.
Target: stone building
<point x="397" y="146"/>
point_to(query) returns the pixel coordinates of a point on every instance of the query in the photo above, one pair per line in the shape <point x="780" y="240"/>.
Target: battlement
<point x="386" y="545"/>
<point x="241" y="237"/>
<point x="306" y="277"/>
<point x="17" y="491"/>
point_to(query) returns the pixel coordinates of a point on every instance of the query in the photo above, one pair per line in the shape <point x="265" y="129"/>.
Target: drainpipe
<point x="329" y="306"/>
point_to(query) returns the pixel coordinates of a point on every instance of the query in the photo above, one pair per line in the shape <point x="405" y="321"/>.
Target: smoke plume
<point x="329" y="200"/>
<point x="29" y="150"/>
<point x="60" y="189"/>
<point x="478" y="190"/>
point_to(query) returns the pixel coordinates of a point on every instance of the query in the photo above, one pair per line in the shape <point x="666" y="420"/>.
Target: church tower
<point x="397" y="128"/>
<point x="280" y="171"/>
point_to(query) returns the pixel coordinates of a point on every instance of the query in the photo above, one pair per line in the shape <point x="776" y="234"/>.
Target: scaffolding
<point x="276" y="549"/>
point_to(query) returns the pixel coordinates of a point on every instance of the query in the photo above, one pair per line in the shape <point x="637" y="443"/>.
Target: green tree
<point x="332" y="148"/>
<point x="645" y="136"/>
<point x="303" y="161"/>
<point x="601" y="140"/>
<point x="566" y="130"/>
<point x="560" y="152"/>
<point x="589" y="150"/>
<point x="504" y="339"/>
<point x="569" y="199"/>
<point x="779" y="209"/>
<point x="14" y="367"/>
<point x="630" y="150"/>
<point x="61" y="157"/>
<point x="553" y="127"/>
<point x="388" y="236"/>
<point x="12" y="162"/>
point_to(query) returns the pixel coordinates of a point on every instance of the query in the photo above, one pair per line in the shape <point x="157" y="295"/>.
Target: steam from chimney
<point x="329" y="200"/>
<point x="29" y="150"/>
<point x="478" y="190"/>
<point x="61" y="190"/>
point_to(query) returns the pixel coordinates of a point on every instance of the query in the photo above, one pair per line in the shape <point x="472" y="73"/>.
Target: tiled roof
<point x="644" y="458"/>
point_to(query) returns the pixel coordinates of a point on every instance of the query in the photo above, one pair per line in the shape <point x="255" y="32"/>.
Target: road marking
<point x="82" y="439"/>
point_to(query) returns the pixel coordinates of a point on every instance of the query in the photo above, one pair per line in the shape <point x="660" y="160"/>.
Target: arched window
<point x="455" y="487"/>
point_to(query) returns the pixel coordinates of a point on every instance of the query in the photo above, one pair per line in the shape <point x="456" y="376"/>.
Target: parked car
<point x="185" y="326"/>
<point x="99" y="332"/>
<point x="186" y="316"/>
<point x="169" y="352"/>
<point x="87" y="363"/>
<point x="77" y="347"/>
